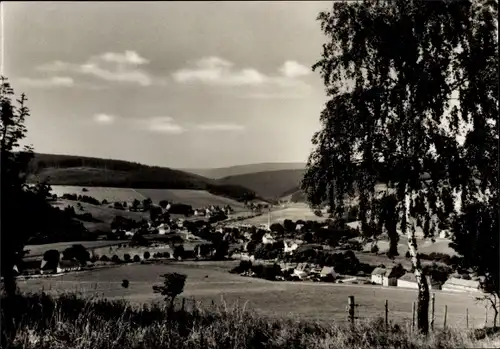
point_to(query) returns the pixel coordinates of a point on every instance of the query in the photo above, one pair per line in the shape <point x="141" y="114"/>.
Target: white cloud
<point x="218" y="71"/>
<point x="55" y="81"/>
<point x="109" y="66"/>
<point x="292" y="69"/>
<point x="104" y="118"/>
<point x="220" y="127"/>
<point x="161" y="124"/>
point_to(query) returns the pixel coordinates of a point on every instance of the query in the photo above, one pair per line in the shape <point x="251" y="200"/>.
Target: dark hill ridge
<point x="222" y="172"/>
<point x="92" y="172"/>
<point x="269" y="184"/>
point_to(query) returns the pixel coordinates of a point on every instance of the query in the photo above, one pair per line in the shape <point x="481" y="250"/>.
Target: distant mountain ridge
<point x="222" y="172"/>
<point x="97" y="172"/>
<point x="269" y="184"/>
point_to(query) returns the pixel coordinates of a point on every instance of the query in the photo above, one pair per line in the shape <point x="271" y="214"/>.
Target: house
<point x="382" y="276"/>
<point x="68" y="265"/>
<point x="461" y="285"/>
<point x="268" y="239"/>
<point x="290" y="246"/>
<point x="444" y="234"/>
<point x="129" y="233"/>
<point x="409" y="280"/>
<point x="327" y="272"/>
<point x="164" y="229"/>
<point x="302" y="270"/>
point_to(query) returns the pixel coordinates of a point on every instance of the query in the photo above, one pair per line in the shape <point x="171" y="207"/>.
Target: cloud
<point x="220" y="127"/>
<point x="104" y="118"/>
<point x="55" y="81"/>
<point x="109" y="66"/>
<point x="218" y="71"/>
<point x="292" y="69"/>
<point x="161" y="124"/>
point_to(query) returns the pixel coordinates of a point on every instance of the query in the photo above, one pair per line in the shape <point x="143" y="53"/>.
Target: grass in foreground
<point x="70" y="321"/>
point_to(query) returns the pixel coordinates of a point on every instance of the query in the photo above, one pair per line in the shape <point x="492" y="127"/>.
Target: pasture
<point x="195" y="198"/>
<point x="293" y="212"/>
<point x="210" y="281"/>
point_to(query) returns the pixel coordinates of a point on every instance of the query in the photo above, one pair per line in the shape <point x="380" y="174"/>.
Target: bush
<point x="127" y="258"/>
<point x="146" y="255"/>
<point x="137" y="259"/>
<point x="374" y="249"/>
<point x="243" y="267"/>
<point x="104" y="258"/>
<point x="115" y="259"/>
<point x="407" y="254"/>
<point x="178" y="251"/>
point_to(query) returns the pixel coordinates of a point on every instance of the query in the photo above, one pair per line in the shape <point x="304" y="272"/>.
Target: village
<point x="295" y="251"/>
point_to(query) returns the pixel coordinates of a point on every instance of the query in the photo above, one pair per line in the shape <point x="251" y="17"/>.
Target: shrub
<point x="137" y="259"/>
<point x="178" y="251"/>
<point x="374" y="249"/>
<point x="173" y="285"/>
<point x="407" y="254"/>
<point x="115" y="259"/>
<point x="104" y="258"/>
<point x="146" y="255"/>
<point x="125" y="283"/>
<point x="127" y="258"/>
<point x="243" y="267"/>
<point x="52" y="258"/>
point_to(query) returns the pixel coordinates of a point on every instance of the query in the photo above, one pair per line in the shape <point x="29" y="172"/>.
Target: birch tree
<point x="391" y="72"/>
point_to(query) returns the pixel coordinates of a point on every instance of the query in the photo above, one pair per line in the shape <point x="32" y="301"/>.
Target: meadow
<point x="195" y="198"/>
<point x="70" y="321"/>
<point x="211" y="281"/>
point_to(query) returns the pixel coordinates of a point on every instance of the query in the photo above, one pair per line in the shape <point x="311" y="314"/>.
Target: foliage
<point x="139" y="240"/>
<point x="127" y="258"/>
<point x="52" y="258"/>
<point x="136" y="258"/>
<point x="277" y="228"/>
<point x="173" y="285"/>
<point x="77" y="252"/>
<point x="147" y="255"/>
<point x="389" y="70"/>
<point x="179" y="251"/>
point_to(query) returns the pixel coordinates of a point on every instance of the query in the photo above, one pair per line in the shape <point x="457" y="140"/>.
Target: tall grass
<point x="70" y="321"/>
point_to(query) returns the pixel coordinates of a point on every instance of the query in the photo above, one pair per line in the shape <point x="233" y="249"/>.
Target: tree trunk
<point x="423" y="286"/>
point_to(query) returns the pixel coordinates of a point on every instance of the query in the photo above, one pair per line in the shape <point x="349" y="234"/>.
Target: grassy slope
<point x="269" y="184"/>
<point x="209" y="281"/>
<point x="222" y="172"/>
<point x="85" y="171"/>
<point x="70" y="322"/>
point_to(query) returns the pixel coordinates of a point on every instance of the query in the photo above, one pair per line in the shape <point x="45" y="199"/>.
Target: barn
<point x="461" y="285"/>
<point x="409" y="280"/>
<point x="382" y="276"/>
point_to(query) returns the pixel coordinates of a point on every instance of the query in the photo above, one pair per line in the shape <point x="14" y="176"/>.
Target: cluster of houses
<point x="212" y="210"/>
<point x="388" y="277"/>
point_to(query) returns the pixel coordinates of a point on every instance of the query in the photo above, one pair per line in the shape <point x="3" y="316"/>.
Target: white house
<point x="382" y="276"/>
<point x="164" y="229"/>
<point x="129" y="233"/>
<point x="302" y="270"/>
<point x="327" y="271"/>
<point x="268" y="239"/>
<point x="461" y="285"/>
<point x="409" y="280"/>
<point x="68" y="265"/>
<point x="290" y="246"/>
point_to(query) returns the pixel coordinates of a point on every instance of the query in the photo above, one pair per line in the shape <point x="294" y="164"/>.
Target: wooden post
<point x="467" y="317"/>
<point x="486" y="316"/>
<point x="386" y="313"/>
<point x="412" y="317"/>
<point x="183" y="304"/>
<point x="445" y="314"/>
<point x="351" y="309"/>
<point x="432" y="310"/>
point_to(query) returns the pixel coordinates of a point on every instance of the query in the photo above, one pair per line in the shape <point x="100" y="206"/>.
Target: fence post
<point x="412" y="317"/>
<point x="432" y="311"/>
<point x="386" y="313"/>
<point x="351" y="309"/>
<point x="445" y="314"/>
<point x="486" y="316"/>
<point x="467" y="317"/>
<point x="183" y="303"/>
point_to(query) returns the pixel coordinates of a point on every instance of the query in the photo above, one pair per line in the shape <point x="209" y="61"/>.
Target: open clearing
<point x="209" y="281"/>
<point x="293" y="212"/>
<point x="195" y="198"/>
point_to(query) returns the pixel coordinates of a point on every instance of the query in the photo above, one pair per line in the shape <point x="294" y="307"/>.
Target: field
<point x="210" y="281"/>
<point x="293" y="212"/>
<point x="195" y="198"/>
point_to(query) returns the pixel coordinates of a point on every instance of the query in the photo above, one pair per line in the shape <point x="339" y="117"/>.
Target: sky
<point x="176" y="84"/>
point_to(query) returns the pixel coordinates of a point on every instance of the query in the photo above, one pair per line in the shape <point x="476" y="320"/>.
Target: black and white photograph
<point x="249" y="174"/>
